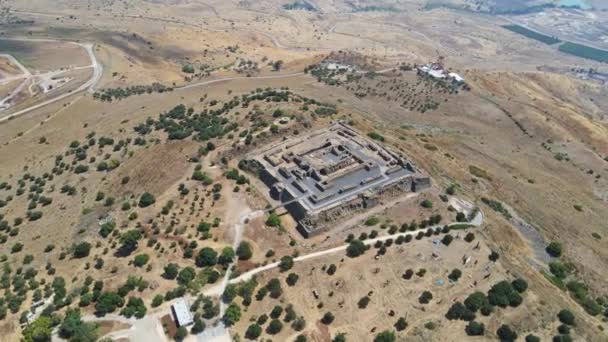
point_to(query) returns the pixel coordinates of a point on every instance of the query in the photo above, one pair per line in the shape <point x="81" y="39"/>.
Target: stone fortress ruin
<point x="333" y="173"/>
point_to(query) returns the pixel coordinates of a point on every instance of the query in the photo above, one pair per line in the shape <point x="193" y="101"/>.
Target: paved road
<point x="88" y="85"/>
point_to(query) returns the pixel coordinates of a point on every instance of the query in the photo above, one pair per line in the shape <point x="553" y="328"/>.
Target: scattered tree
<point x="170" y="271"/>
<point x="385" y="336"/>
<point x="273" y="220"/>
<point x="532" y="338"/>
<point x="206" y="257"/>
<point x="355" y="248"/>
<point x="519" y="285"/>
<point x="232" y="315"/>
<point x="274" y="327"/>
<point x="82" y="250"/>
<point x="554" y="249"/>
<point x="244" y="251"/>
<point x="425" y="297"/>
<point x="506" y="334"/>
<point x="426" y="204"/>
<point x="181" y="333"/>
<point x="292" y="279"/>
<point x="39" y="330"/>
<point x="286" y="263"/>
<point x="141" y="259"/>
<point x="447" y="239"/>
<point x="328" y="318"/>
<point x="566" y="317"/>
<point x="455" y="275"/>
<point x="253" y="331"/>
<point x="363" y="302"/>
<point x="226" y="257"/>
<point x="469" y="237"/>
<point x="146" y="200"/>
<point x="401" y="324"/>
<point x="475" y="328"/>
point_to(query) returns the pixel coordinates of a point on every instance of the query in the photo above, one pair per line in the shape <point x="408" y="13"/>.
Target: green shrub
<point x="386" y="336"/>
<point x="506" y="334"/>
<point x="146" y="200"/>
<point x="532" y="338"/>
<point x="376" y="136"/>
<point x="566" y="317"/>
<point x="475" y="328"/>
<point x="426" y="204"/>
<point x="355" y="248"/>
<point x="140" y="260"/>
<point x="82" y="250"/>
<point x="554" y="249"/>
<point x="479" y="172"/>
<point x="372" y="221"/>
<point x="273" y="220"/>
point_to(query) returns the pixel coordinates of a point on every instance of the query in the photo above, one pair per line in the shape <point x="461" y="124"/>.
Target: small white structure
<point x="333" y="65"/>
<point x="434" y="70"/>
<point x="181" y="312"/>
<point x="437" y="71"/>
<point x="456" y="77"/>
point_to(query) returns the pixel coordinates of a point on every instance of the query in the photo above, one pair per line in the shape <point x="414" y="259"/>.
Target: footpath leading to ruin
<point x="149" y="329"/>
<point x="218" y="290"/>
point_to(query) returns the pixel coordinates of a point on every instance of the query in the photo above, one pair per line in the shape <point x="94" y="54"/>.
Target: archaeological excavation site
<point x="332" y="173"/>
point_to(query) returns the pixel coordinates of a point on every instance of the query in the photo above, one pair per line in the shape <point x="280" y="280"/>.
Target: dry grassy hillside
<point x="132" y="188"/>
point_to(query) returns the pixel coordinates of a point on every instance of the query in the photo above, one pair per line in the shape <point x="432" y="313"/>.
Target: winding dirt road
<point x="88" y="85"/>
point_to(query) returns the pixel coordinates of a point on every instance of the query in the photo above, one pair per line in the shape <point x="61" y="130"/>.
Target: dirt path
<point x="88" y="85"/>
<point x="24" y="71"/>
<point x="149" y="329"/>
<point x="204" y="83"/>
<point x="476" y="221"/>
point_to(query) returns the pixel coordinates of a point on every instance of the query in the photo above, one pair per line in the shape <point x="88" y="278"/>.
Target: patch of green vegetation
<point x="326" y="110"/>
<point x="300" y="5"/>
<point x="273" y="220"/>
<point x="188" y="68"/>
<point x="479" y="172"/>
<point x="374" y="8"/>
<point x="430" y="147"/>
<point x="584" y="51"/>
<point x="497" y="206"/>
<point x="372" y="221"/>
<point x="461" y="226"/>
<point x="430" y="325"/>
<point x="110" y="94"/>
<point x="532" y="34"/>
<point x="561" y="156"/>
<point x="376" y="136"/>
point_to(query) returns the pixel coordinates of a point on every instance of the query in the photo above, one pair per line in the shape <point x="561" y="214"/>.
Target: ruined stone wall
<point x="312" y="225"/>
<point x="421" y="183"/>
<point x="325" y="220"/>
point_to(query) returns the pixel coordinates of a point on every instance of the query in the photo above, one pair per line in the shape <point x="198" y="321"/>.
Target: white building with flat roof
<point x="181" y="313"/>
<point x="436" y="70"/>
